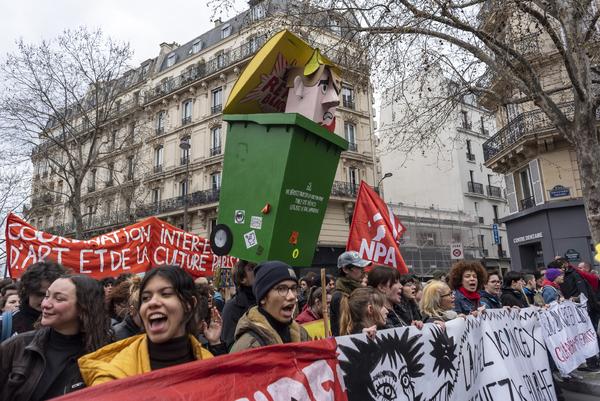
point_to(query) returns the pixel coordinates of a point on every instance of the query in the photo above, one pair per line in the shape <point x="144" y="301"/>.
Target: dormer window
<point x="197" y="46"/>
<point x="171" y="59"/>
<point x="225" y="31"/>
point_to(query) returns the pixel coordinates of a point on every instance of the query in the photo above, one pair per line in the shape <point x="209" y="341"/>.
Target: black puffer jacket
<point x="512" y="297"/>
<point x="234" y="309"/>
<point x="408" y="310"/>
<point x="574" y="285"/>
<point x="22" y="364"/>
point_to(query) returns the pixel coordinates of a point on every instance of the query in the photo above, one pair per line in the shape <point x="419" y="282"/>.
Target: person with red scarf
<point x="467" y="278"/>
<point x="551" y="285"/>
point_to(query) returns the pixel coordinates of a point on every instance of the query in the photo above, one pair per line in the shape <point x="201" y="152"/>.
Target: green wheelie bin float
<point x="278" y="171"/>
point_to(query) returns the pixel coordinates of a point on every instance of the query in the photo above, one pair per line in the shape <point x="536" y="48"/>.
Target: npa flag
<point x="375" y="231"/>
<point x="132" y="249"/>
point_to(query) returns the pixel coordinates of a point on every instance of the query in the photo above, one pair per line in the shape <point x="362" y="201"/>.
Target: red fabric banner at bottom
<point x="305" y="371"/>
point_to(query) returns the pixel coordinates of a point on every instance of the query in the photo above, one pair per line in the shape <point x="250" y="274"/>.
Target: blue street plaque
<point x="496" y="234"/>
<point x="559" y="191"/>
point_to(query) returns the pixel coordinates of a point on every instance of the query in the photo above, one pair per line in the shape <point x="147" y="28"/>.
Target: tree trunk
<point x="587" y="149"/>
<point x="75" y="206"/>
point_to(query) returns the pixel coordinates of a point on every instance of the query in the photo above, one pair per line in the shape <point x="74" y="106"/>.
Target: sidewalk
<point x="583" y="382"/>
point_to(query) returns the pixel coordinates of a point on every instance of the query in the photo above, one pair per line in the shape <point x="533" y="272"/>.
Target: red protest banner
<point x="131" y="249"/>
<point x="305" y="371"/>
<point x="375" y="231"/>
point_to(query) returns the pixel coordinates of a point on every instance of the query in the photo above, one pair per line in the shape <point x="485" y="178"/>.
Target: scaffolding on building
<point x="430" y="231"/>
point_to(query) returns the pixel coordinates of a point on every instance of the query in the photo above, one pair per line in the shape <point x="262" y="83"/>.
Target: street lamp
<point x="386" y="175"/>
<point x="185" y="145"/>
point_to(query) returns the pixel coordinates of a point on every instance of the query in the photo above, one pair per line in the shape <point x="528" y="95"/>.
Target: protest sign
<point x="132" y="249"/>
<point x="569" y="334"/>
<point x="375" y="231"/>
<point x="303" y="372"/>
<point x="497" y="356"/>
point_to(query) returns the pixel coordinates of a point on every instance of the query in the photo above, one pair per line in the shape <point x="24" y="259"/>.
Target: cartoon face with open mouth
<point x="315" y="97"/>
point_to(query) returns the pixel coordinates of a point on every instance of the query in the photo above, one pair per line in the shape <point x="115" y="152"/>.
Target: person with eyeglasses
<point x="492" y="289"/>
<point x="272" y="320"/>
<point x="437" y="304"/>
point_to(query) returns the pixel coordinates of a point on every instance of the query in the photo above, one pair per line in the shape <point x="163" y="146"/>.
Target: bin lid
<point x="290" y="119"/>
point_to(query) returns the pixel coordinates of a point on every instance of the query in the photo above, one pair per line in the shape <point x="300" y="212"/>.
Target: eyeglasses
<point x="283" y="290"/>
<point x="448" y="294"/>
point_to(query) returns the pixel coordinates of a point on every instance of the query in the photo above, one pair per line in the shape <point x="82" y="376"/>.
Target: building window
<point x="215" y="141"/>
<point x="348" y="97"/>
<point x="113" y="139"/>
<point x="90" y="213"/>
<point x="225" y="31"/>
<point x="495" y="210"/>
<point x="215" y="181"/>
<point x="183" y="188"/>
<point x="353" y="177"/>
<point x="185" y="152"/>
<point x="350" y="134"/>
<point x="221" y="60"/>
<point x="216" y="100"/>
<point x="109" y="208"/>
<point x="92" y="181"/>
<point x="527" y="199"/>
<point x="197" y="46"/>
<point x="466" y="124"/>
<point x="158" y="158"/>
<point x="160" y="122"/>
<point x="110" y="174"/>
<point x="186" y="116"/>
<point x="130" y="168"/>
<point x="470" y="155"/>
<point x="171" y="59"/>
<point x="257" y="12"/>
<point x="156" y="195"/>
<point x="481" y="241"/>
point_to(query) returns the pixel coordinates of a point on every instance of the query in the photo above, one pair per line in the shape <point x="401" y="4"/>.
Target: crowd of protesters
<point x="62" y="332"/>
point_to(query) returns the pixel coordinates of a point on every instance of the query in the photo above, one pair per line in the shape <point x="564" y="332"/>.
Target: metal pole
<point x="187" y="191"/>
<point x="324" y="302"/>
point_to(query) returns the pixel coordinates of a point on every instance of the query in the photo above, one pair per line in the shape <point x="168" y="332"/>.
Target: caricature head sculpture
<point x="314" y="91"/>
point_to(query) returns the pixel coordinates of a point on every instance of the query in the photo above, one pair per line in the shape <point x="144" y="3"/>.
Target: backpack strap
<point x="6" y="325"/>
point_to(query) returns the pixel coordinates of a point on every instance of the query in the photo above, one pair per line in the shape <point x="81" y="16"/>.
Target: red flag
<point x="375" y="231"/>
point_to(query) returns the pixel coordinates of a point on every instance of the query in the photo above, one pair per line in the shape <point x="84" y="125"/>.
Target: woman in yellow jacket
<point x="167" y="309"/>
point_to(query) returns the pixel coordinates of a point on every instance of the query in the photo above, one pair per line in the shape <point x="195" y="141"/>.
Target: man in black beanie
<point x="271" y="321"/>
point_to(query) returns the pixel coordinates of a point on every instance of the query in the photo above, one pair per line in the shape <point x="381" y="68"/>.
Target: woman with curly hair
<point x="42" y="364"/>
<point x="467" y="278"/>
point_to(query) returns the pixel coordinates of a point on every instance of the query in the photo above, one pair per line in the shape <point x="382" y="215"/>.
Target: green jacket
<point x="254" y="331"/>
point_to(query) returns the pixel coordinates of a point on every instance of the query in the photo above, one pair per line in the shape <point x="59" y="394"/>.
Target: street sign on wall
<point x="456" y="251"/>
<point x="496" y="234"/>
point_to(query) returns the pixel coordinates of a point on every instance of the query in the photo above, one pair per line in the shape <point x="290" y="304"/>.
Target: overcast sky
<point x="143" y="23"/>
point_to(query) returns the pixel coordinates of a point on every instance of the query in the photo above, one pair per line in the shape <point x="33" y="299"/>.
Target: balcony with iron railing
<point x="157" y="169"/>
<point x="184" y="160"/>
<point x="344" y="189"/>
<point x="197" y="198"/>
<point x="159" y="130"/>
<point x="475" y="187"/>
<point x="212" y="66"/>
<point x="495" y="192"/>
<point x="186" y="120"/>
<point x="215" y="151"/>
<point x="216" y="109"/>
<point x="352" y="147"/>
<point x="527" y="203"/>
<point x="522" y="128"/>
<point x="348" y="103"/>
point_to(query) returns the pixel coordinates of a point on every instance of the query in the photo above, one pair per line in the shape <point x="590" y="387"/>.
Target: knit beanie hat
<point x="552" y="274"/>
<point x="268" y="274"/>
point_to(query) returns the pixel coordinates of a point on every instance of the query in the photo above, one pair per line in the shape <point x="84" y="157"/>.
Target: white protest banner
<point x="499" y="356"/>
<point x="569" y="334"/>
